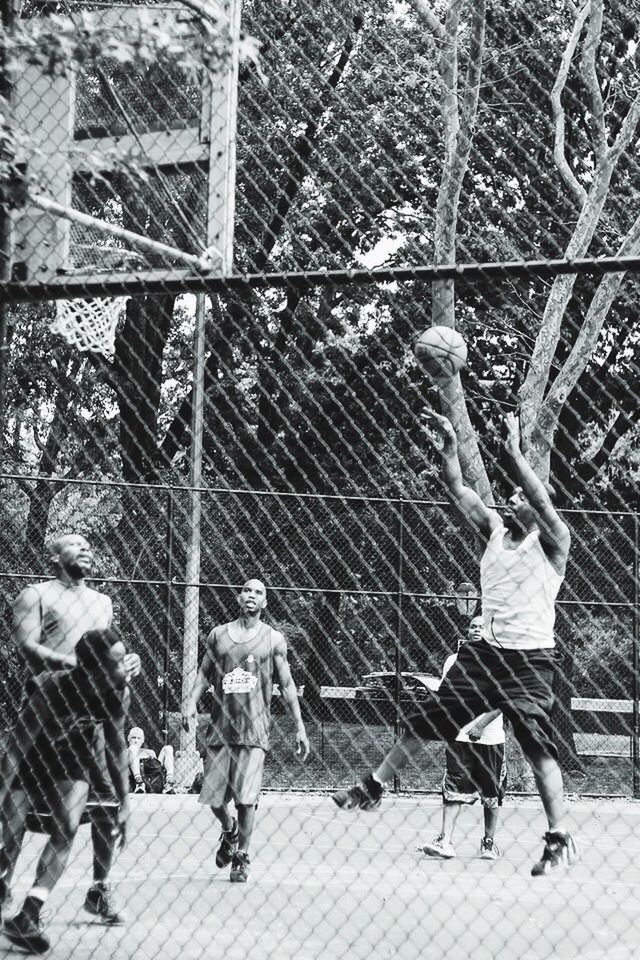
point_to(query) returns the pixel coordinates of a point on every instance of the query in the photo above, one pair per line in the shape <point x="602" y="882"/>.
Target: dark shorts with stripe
<point x="475" y="770"/>
<point x="517" y="682"/>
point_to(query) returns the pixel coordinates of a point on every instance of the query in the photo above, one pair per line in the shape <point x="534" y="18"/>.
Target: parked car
<point x="382" y="684"/>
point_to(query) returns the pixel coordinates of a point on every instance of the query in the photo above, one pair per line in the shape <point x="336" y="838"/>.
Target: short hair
<point x="139" y="732"/>
<point x="93" y="647"/>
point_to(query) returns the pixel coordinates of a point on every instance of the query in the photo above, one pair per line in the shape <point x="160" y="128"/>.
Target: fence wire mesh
<point x="278" y="433"/>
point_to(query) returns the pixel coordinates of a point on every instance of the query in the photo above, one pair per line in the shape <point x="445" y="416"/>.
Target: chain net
<point x="265" y="420"/>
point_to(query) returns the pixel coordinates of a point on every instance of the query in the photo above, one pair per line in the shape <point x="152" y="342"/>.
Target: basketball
<point x="442" y="351"/>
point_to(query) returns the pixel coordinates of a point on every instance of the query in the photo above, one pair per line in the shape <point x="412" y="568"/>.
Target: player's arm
<point x="478" y="728"/>
<point x="468" y="502"/>
<point x="204" y="679"/>
<point x="27" y="631"/>
<point x="289" y="692"/>
<point x="553" y="530"/>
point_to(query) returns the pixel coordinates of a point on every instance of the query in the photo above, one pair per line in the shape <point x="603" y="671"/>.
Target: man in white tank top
<point x="239" y="664"/>
<point x="512" y="668"/>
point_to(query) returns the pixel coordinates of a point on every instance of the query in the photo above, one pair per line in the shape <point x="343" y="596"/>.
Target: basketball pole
<point x="219" y="119"/>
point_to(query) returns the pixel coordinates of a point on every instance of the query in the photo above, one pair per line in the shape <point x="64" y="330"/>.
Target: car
<point x="382" y="684"/>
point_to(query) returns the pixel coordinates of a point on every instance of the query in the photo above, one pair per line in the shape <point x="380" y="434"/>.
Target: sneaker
<point x="441" y="848"/>
<point x="26" y="933"/>
<point x="228" y="846"/>
<point x="99" y="901"/>
<point x="140" y="787"/>
<point x="169" y="787"/>
<point x="489" y="849"/>
<point x="240" y="868"/>
<point x="364" y="796"/>
<point x="559" y="852"/>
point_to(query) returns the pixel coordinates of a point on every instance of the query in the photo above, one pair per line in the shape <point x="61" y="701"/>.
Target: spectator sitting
<point x="149" y="773"/>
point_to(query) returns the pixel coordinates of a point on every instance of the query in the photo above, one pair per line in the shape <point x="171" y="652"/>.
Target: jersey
<point x="242" y="681"/>
<point x="519" y="588"/>
<point x="493" y="733"/>
<point x="67" y="611"/>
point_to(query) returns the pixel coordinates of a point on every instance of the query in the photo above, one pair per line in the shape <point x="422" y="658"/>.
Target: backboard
<point x="120" y="156"/>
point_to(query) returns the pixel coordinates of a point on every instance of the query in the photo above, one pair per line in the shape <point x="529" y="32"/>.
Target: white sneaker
<point x="489" y="849"/>
<point x="439" y="848"/>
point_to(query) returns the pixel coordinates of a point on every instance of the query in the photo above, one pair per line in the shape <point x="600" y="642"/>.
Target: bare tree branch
<point x="558" y="110"/>
<point x="428" y="17"/>
<point x="590" y="75"/>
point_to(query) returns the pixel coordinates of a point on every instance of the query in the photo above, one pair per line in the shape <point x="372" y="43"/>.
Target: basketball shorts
<point x="475" y="771"/>
<point x="519" y="683"/>
<point x="232" y="773"/>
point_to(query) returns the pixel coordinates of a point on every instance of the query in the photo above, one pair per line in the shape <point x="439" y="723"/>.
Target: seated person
<point x="149" y="773"/>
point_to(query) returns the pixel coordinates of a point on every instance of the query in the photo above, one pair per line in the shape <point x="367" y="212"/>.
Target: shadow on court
<point x="330" y="884"/>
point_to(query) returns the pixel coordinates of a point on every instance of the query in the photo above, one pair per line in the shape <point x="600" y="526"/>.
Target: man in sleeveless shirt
<point x="512" y="668"/>
<point x="51" y="762"/>
<point x="239" y="665"/>
<point x="49" y="619"/>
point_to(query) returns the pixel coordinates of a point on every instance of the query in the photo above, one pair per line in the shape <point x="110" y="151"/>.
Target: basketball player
<point x="51" y="760"/>
<point x="512" y="668"/>
<point x="48" y="620"/>
<point x="475" y="767"/>
<point x="240" y="661"/>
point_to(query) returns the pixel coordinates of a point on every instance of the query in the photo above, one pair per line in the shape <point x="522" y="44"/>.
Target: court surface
<point x="332" y="884"/>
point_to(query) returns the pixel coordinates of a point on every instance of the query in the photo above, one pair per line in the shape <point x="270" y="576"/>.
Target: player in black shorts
<point x="50" y="765"/>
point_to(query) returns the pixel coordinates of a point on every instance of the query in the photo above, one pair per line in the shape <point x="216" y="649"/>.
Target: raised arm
<point x="289" y="692"/>
<point x="554" y="533"/>
<point x="203" y="682"/>
<point x="470" y="505"/>
<point x="27" y="631"/>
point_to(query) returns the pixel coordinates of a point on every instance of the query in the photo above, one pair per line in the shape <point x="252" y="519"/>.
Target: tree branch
<point x="558" y="113"/>
<point x="590" y="75"/>
<point x="428" y="17"/>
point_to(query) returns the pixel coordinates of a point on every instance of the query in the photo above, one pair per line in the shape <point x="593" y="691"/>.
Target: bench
<point x="614" y="716"/>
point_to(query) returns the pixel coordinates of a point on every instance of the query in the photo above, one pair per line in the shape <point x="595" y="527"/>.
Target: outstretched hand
<point x="512" y="441"/>
<point x="439" y="427"/>
<point x="303" y="744"/>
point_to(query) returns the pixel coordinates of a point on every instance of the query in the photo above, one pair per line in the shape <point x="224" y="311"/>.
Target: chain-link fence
<point x="245" y="214"/>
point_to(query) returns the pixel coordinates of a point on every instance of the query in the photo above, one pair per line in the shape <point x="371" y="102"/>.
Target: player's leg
<point x="25" y="929"/>
<point x="12" y="821"/>
<point x="245" y="783"/>
<point x="460" y="698"/>
<point x="167" y="759"/>
<point x="489" y="773"/>
<point x="457" y="789"/>
<point x="215" y="794"/>
<point x="526" y="683"/>
<point x="99" y="901"/>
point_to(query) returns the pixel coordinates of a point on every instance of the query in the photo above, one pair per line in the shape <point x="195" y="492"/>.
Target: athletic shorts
<point x="232" y="773"/>
<point x="517" y="682"/>
<point x="474" y="770"/>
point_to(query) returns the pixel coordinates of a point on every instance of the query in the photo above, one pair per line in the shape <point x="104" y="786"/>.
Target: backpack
<point x="153" y="774"/>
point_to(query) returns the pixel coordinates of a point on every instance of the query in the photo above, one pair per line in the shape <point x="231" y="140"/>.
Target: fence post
<point x="167" y="617"/>
<point x="635" y="744"/>
<point x="398" y="635"/>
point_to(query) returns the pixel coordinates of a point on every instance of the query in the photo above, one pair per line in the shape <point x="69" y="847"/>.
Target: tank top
<point x="242" y="688"/>
<point x="68" y="611"/>
<point x="519" y="588"/>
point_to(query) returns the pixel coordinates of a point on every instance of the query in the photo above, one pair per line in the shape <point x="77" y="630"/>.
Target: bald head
<point x="253" y="597"/>
<point x="71" y="555"/>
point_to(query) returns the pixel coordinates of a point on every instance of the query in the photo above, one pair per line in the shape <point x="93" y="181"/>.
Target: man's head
<point x="71" y="555"/>
<point x="136" y="737"/>
<point x="253" y="597"/>
<point x="474" y="630"/>
<point x="100" y="655"/>
<point x="520" y="515"/>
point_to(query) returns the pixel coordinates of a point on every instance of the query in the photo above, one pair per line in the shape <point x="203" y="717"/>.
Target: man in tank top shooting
<point x="512" y="668"/>
<point x="239" y="664"/>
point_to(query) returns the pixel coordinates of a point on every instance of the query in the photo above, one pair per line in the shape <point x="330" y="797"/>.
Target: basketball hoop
<point x="89" y="324"/>
<point x="466" y="599"/>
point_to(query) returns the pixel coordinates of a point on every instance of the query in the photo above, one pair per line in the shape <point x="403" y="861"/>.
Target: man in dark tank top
<point x="238" y="666"/>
